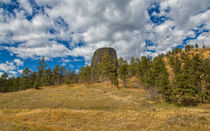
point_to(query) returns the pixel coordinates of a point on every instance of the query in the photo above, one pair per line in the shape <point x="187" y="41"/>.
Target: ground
<point x="96" y="107"/>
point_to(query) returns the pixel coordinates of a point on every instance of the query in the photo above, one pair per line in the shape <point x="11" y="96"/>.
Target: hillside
<point x="204" y="52"/>
<point x="95" y="107"/>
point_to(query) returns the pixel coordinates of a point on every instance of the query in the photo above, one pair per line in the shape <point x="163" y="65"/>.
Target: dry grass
<point x="95" y="107"/>
<point x="204" y="52"/>
<point x="169" y="69"/>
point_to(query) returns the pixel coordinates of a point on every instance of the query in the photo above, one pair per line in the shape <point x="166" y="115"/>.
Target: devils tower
<point x="100" y="53"/>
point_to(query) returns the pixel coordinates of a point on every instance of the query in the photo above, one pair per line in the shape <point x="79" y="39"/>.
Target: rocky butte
<point x="100" y="53"/>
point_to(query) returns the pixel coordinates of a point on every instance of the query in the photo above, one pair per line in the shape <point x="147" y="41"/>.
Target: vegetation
<point x="123" y="71"/>
<point x="95" y="107"/>
<point x="43" y="77"/>
<point x="86" y="102"/>
<point x="180" y="77"/>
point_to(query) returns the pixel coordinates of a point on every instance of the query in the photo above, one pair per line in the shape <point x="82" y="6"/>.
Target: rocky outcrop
<point x="100" y="53"/>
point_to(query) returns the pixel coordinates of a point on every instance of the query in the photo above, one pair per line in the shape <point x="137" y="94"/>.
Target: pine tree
<point x="206" y="79"/>
<point x="177" y="65"/>
<point x="161" y="78"/>
<point x="132" y="67"/>
<point x="86" y="74"/>
<point x="196" y="45"/>
<point x="187" y="48"/>
<point x="123" y="72"/>
<point x="26" y="82"/>
<point x="61" y="72"/>
<point x="4" y="76"/>
<point x="142" y="67"/>
<point x="120" y="61"/>
<point x="164" y="86"/>
<point x="150" y="78"/>
<point x="186" y="91"/>
<point x="69" y="76"/>
<point x="47" y="77"/>
<point x="175" y="51"/>
<point x="109" y="69"/>
<point x="197" y="74"/>
<point x="157" y="78"/>
<point x="4" y="83"/>
<point x="55" y="75"/>
<point x="15" y="85"/>
<point x="40" y="69"/>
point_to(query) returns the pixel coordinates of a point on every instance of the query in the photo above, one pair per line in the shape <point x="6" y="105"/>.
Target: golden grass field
<point x="96" y="107"/>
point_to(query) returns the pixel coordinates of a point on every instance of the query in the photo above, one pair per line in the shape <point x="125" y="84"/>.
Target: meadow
<point x="96" y="107"/>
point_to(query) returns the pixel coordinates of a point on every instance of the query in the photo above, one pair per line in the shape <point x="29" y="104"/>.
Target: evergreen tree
<point x="175" y="51"/>
<point x="142" y="68"/>
<point x="161" y="78"/>
<point x="69" y="76"/>
<point x="197" y="74"/>
<point x="4" y="76"/>
<point x="4" y="83"/>
<point x="157" y="78"/>
<point x="186" y="91"/>
<point x="177" y="65"/>
<point x="164" y="85"/>
<point x="123" y="72"/>
<point x="15" y="84"/>
<point x="61" y="72"/>
<point x="68" y="82"/>
<point x="120" y="61"/>
<point x="86" y="74"/>
<point x="196" y="45"/>
<point x="55" y="75"/>
<point x="47" y="77"/>
<point x="132" y="67"/>
<point x="206" y="79"/>
<point x="26" y="81"/>
<point x="40" y="69"/>
<point x="109" y="69"/>
<point x="150" y="78"/>
<point x="187" y="48"/>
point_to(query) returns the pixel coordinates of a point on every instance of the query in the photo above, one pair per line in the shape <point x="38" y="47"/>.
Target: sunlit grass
<point x="95" y="107"/>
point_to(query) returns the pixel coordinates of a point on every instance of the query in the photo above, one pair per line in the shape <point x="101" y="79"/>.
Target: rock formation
<point x="100" y="53"/>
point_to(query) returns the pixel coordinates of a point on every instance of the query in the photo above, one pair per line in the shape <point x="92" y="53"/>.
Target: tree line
<point x="190" y="72"/>
<point x="42" y="77"/>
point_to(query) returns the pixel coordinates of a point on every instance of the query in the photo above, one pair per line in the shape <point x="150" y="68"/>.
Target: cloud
<point x="12" y="73"/>
<point x="18" y="62"/>
<point x="49" y="50"/>
<point x="187" y="22"/>
<point x="25" y="4"/>
<point x="7" y="66"/>
<point x="104" y="23"/>
<point x="11" y="67"/>
<point x="56" y="28"/>
<point x="20" y="71"/>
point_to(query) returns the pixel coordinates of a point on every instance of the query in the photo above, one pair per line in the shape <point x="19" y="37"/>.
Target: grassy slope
<point x="204" y="52"/>
<point x="95" y="107"/>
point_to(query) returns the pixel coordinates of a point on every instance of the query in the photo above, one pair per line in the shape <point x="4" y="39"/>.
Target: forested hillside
<point x="181" y="77"/>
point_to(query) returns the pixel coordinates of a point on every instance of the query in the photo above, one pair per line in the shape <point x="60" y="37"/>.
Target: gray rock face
<point x="100" y="53"/>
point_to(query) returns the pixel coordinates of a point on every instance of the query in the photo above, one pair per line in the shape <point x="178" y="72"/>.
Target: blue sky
<point x="67" y="32"/>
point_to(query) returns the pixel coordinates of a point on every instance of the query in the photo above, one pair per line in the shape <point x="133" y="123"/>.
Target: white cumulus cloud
<point x="121" y="24"/>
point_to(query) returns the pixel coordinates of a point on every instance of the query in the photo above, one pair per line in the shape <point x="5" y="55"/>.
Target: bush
<point x="36" y="85"/>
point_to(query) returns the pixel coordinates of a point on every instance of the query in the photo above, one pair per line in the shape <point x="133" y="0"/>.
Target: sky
<point x="67" y="32"/>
